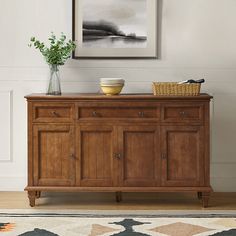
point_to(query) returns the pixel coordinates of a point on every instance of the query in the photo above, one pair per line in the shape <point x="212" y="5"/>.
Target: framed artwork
<point x="115" y="28"/>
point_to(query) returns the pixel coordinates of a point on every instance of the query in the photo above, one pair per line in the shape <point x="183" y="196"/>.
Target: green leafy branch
<point x="59" y="51"/>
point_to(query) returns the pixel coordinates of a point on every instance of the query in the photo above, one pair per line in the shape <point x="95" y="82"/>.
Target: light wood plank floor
<point x="106" y="201"/>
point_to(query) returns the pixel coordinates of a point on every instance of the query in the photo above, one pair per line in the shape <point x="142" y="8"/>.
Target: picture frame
<point x="122" y="29"/>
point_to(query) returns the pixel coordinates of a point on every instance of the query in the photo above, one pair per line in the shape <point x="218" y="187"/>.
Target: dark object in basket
<point x="192" y="81"/>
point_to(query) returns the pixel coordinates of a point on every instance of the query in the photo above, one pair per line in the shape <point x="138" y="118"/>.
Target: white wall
<point x="197" y="39"/>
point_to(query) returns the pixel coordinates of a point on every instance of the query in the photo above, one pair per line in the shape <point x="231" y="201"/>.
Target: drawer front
<point x="53" y="112"/>
<point x="182" y="113"/>
<point x="120" y="112"/>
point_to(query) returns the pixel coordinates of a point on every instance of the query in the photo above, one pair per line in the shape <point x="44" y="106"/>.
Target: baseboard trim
<point x="12" y="183"/>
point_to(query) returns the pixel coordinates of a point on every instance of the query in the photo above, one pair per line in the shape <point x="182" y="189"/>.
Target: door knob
<point x="54" y="113"/>
<point x="163" y="156"/>
<point x="72" y="156"/>
<point x="183" y="113"/>
<point x="141" y="114"/>
<point x="117" y="155"/>
<point x="94" y="113"/>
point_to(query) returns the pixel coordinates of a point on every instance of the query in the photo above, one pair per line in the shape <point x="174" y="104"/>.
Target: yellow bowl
<point x="111" y="90"/>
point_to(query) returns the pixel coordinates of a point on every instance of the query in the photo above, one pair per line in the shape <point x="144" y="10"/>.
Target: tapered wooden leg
<point x="38" y="194"/>
<point x="118" y="196"/>
<point x="32" y="197"/>
<point x="205" y="199"/>
<point x="199" y="195"/>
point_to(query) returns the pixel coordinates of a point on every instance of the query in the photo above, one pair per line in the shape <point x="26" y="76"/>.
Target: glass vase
<point x="54" y="86"/>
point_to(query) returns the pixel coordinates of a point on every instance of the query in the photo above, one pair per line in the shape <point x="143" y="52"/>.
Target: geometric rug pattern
<point x="50" y="224"/>
<point x="180" y="229"/>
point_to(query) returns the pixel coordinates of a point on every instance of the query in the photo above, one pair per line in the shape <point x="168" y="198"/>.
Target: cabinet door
<point x="53" y="155"/>
<point x="182" y="156"/>
<point x="94" y="148"/>
<point x="139" y="156"/>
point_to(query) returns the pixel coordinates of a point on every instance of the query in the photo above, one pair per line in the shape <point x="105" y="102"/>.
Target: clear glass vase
<point x="54" y="86"/>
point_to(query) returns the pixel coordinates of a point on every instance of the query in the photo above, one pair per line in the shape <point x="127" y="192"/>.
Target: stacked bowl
<point x="111" y="86"/>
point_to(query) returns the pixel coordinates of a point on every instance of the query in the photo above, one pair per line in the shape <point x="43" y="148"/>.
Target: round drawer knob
<point x="54" y="113"/>
<point x="94" y="114"/>
<point x="183" y="113"/>
<point x="141" y="114"/>
<point x="117" y="155"/>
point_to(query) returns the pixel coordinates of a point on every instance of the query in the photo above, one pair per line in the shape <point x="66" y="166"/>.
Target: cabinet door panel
<point x="182" y="156"/>
<point x="53" y="155"/>
<point x="139" y="162"/>
<point x="95" y="152"/>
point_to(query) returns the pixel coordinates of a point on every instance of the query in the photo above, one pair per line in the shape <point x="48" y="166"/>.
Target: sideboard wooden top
<point x="97" y="96"/>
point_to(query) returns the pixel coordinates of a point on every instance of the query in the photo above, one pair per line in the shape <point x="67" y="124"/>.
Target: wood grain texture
<point x="118" y="189"/>
<point x="182" y="156"/>
<point x="53" y="112"/>
<point x="139" y="149"/>
<point x="102" y="97"/>
<point x="118" y="112"/>
<point x="207" y="144"/>
<point x="127" y="143"/>
<point x="182" y="112"/>
<point x="30" y="144"/>
<point x="53" y="155"/>
<point x="95" y="151"/>
<point x="32" y="197"/>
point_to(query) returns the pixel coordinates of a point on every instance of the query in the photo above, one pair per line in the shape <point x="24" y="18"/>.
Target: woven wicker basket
<point x="175" y="89"/>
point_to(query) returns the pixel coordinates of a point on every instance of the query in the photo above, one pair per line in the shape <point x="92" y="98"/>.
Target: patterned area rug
<point x="62" y="224"/>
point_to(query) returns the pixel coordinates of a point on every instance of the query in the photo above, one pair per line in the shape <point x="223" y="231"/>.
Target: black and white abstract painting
<point x="115" y="28"/>
<point x="115" y="23"/>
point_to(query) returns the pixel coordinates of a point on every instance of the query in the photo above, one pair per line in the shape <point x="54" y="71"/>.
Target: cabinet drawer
<point x="119" y="112"/>
<point x="53" y="112"/>
<point x="182" y="113"/>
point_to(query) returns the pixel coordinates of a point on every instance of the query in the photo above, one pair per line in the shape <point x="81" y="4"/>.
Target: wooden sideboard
<point x="126" y="143"/>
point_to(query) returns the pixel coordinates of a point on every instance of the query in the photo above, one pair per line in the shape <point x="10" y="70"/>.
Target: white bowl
<point x="112" y="81"/>
<point x="107" y="84"/>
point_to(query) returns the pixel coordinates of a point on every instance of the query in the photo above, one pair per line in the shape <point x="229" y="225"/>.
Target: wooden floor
<point x="106" y="201"/>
